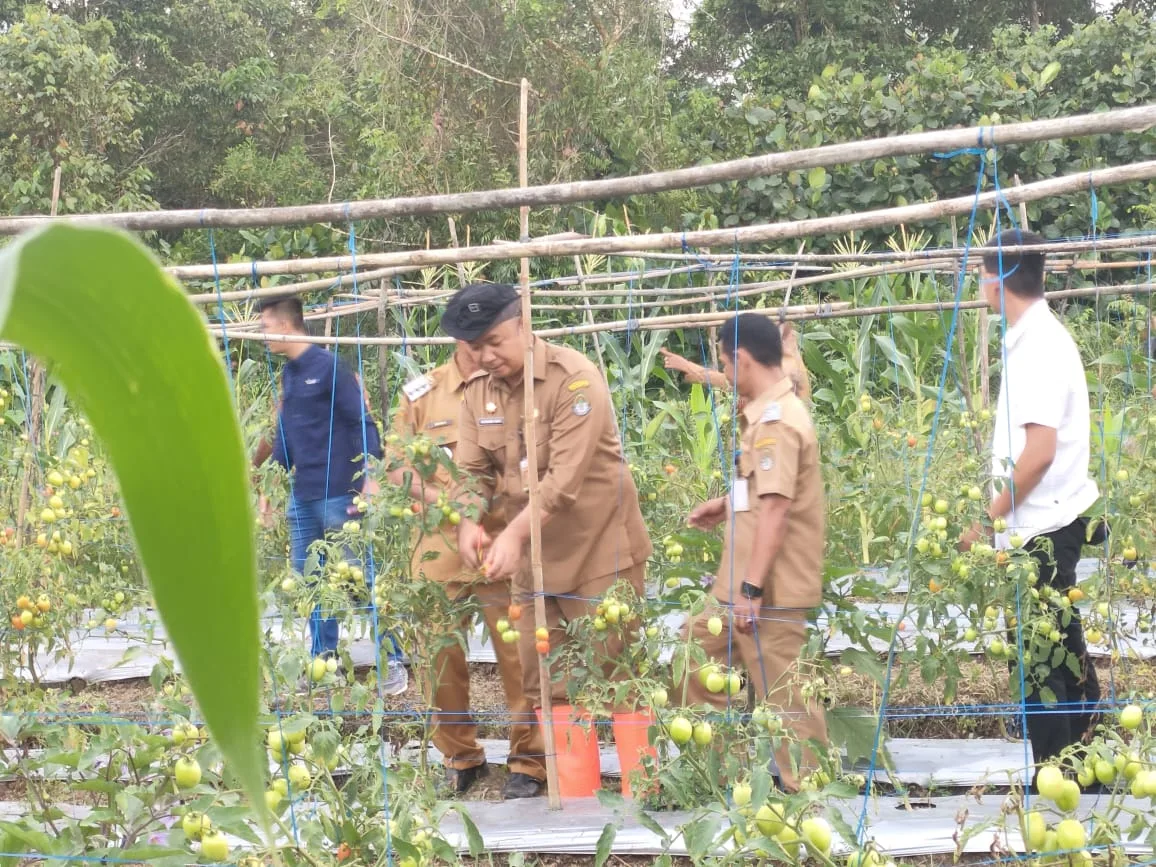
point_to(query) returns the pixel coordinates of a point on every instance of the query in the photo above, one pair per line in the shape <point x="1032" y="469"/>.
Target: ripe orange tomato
<point x="543" y="647"/>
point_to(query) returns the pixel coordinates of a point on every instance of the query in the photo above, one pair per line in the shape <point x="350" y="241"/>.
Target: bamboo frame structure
<point x="530" y="427"/>
<point x="798" y="313"/>
<point x="1116" y="121"/>
<point x="792" y="230"/>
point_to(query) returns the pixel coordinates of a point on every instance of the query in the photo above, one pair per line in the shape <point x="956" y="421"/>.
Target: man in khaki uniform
<point x="772" y="562"/>
<point x="792" y="365"/>
<point x="592" y="530"/>
<point x="430" y="406"/>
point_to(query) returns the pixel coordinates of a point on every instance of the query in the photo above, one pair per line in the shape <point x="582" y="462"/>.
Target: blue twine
<point x="221" y="314"/>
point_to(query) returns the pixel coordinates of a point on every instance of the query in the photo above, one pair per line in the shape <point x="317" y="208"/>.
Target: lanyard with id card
<point x="740" y="492"/>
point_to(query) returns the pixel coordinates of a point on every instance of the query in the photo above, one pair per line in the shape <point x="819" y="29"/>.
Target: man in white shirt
<point x="1040" y="454"/>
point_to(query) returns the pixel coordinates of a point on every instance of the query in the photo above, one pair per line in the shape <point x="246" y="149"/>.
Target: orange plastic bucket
<point x="576" y="749"/>
<point x="632" y="737"/>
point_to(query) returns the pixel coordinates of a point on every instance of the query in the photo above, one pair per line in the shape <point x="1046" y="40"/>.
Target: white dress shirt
<point x="1044" y="383"/>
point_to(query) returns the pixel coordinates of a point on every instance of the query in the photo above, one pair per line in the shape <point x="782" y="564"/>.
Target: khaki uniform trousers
<point x="579" y="602"/>
<point x="447" y="689"/>
<point x="770" y="657"/>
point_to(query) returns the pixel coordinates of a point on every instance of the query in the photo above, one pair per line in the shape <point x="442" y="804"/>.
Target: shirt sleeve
<point x="280" y="447"/>
<point x="777" y="449"/>
<point x="581" y="413"/>
<point x="476" y="468"/>
<point x="351" y="406"/>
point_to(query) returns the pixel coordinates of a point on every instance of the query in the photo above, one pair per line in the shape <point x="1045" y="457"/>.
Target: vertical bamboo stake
<point x="383" y="351"/>
<point x="34" y="405"/>
<point x="589" y="313"/>
<point x="530" y="423"/>
<point x="454" y="243"/>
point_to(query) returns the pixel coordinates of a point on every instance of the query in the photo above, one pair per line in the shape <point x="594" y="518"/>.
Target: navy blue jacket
<point x="324" y="428"/>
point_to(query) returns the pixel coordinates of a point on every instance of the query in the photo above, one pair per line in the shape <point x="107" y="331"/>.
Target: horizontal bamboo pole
<point x="414" y="297"/>
<point x="1120" y="120"/>
<point x="837" y="225"/>
<point x="1142" y="240"/>
<point x="839" y="310"/>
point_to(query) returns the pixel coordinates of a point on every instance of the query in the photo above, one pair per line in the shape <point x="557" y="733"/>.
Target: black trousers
<point x="1052" y="727"/>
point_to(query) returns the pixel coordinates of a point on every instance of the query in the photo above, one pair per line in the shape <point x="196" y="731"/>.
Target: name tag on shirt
<point x="415" y="388"/>
<point x="740" y="496"/>
<point x="488" y="421"/>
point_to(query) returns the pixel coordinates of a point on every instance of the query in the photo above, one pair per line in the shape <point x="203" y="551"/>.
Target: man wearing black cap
<point x="592" y="530"/>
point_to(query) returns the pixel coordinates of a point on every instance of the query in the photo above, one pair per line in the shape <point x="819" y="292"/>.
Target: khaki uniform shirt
<point x="596" y="526"/>
<point x="434" y="412"/>
<point x="779" y="454"/>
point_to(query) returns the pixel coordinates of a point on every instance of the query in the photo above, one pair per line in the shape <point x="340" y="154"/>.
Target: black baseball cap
<point x="475" y="309"/>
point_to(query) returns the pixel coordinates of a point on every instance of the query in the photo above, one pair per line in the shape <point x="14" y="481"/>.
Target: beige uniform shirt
<point x="596" y="528"/>
<point x="434" y="412"/>
<point x="779" y="454"/>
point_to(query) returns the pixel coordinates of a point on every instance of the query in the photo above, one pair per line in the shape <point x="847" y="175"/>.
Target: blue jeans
<point x="309" y="521"/>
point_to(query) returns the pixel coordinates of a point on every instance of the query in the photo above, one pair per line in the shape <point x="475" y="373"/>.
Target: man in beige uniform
<point x="430" y="406"/>
<point x="772" y="562"/>
<point x="592" y="530"/>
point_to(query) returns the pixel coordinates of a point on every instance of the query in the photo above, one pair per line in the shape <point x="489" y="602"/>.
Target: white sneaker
<point x="396" y="679"/>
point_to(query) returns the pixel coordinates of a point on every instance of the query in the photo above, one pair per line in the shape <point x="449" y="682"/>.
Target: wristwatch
<point x="751" y="591"/>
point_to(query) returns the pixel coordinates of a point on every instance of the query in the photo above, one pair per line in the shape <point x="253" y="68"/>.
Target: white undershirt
<point x="1045" y="378"/>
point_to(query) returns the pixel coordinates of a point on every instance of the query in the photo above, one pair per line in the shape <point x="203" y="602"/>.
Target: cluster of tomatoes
<point x="508" y="633"/>
<point x="31" y="614"/>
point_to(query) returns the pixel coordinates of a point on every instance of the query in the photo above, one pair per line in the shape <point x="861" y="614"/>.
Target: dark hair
<point x="755" y="333"/>
<point x="287" y="307"/>
<point x="1023" y="272"/>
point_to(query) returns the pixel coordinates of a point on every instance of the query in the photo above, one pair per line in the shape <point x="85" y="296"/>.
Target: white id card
<point x="740" y="496"/>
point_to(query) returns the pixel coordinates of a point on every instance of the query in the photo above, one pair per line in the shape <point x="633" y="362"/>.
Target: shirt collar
<point x="542" y="353"/>
<point x="1033" y="315"/>
<point x="755" y="407"/>
<point x="454" y="376"/>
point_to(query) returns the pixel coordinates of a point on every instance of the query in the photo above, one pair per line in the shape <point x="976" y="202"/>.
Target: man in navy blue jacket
<point x="324" y="436"/>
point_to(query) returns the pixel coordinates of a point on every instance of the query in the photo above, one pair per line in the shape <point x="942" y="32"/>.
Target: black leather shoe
<point x="459" y="780"/>
<point x="521" y="786"/>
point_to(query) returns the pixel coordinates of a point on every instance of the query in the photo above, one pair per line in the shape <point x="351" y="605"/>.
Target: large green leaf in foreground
<point x="136" y="356"/>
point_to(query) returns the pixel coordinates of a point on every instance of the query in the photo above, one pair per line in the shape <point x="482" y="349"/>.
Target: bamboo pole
<point x="383" y="351"/>
<point x="590" y="318"/>
<point x="454" y="243"/>
<point x="841" y="310"/>
<point x="285" y="288"/>
<point x="419" y="297"/>
<point x="795" y="229"/>
<point x="530" y="423"/>
<point x="543" y="287"/>
<point x="196" y="273"/>
<point x="1120" y="120"/>
<point x="34" y="406"/>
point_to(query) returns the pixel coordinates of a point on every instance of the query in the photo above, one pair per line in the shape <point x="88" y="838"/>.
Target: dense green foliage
<point x="260" y="102"/>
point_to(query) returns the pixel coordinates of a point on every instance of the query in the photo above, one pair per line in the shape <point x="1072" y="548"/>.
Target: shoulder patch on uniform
<point x="581" y="405"/>
<point x="417" y="387"/>
<point x="773" y="412"/>
<point x="578" y="383"/>
<point x="764" y="442"/>
<point x="765" y="463"/>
